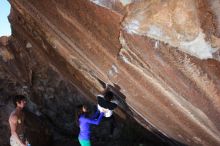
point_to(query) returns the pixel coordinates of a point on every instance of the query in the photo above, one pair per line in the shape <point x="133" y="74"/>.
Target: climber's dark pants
<point x="112" y="124"/>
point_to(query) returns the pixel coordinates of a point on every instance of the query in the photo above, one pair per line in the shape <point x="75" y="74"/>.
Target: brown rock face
<point x="150" y="51"/>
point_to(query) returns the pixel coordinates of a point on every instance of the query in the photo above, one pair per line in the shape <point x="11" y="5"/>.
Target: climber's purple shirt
<point x="84" y="125"/>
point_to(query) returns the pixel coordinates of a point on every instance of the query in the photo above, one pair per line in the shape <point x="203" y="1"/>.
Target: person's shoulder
<point x="82" y="117"/>
<point x="13" y="113"/>
<point x="13" y="117"/>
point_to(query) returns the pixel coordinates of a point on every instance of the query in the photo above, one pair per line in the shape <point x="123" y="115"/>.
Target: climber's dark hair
<point x="80" y="112"/>
<point x="17" y="98"/>
<point x="108" y="95"/>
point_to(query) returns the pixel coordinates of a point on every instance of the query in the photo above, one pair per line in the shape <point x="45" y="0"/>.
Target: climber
<point x="84" y="124"/>
<point x="16" y="122"/>
<point x="106" y="102"/>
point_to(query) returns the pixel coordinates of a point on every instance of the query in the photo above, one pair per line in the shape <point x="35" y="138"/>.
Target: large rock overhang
<point x="165" y="89"/>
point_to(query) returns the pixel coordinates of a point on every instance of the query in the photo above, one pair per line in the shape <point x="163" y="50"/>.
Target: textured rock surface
<point x="175" y="22"/>
<point x="149" y="50"/>
<point x="52" y="101"/>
